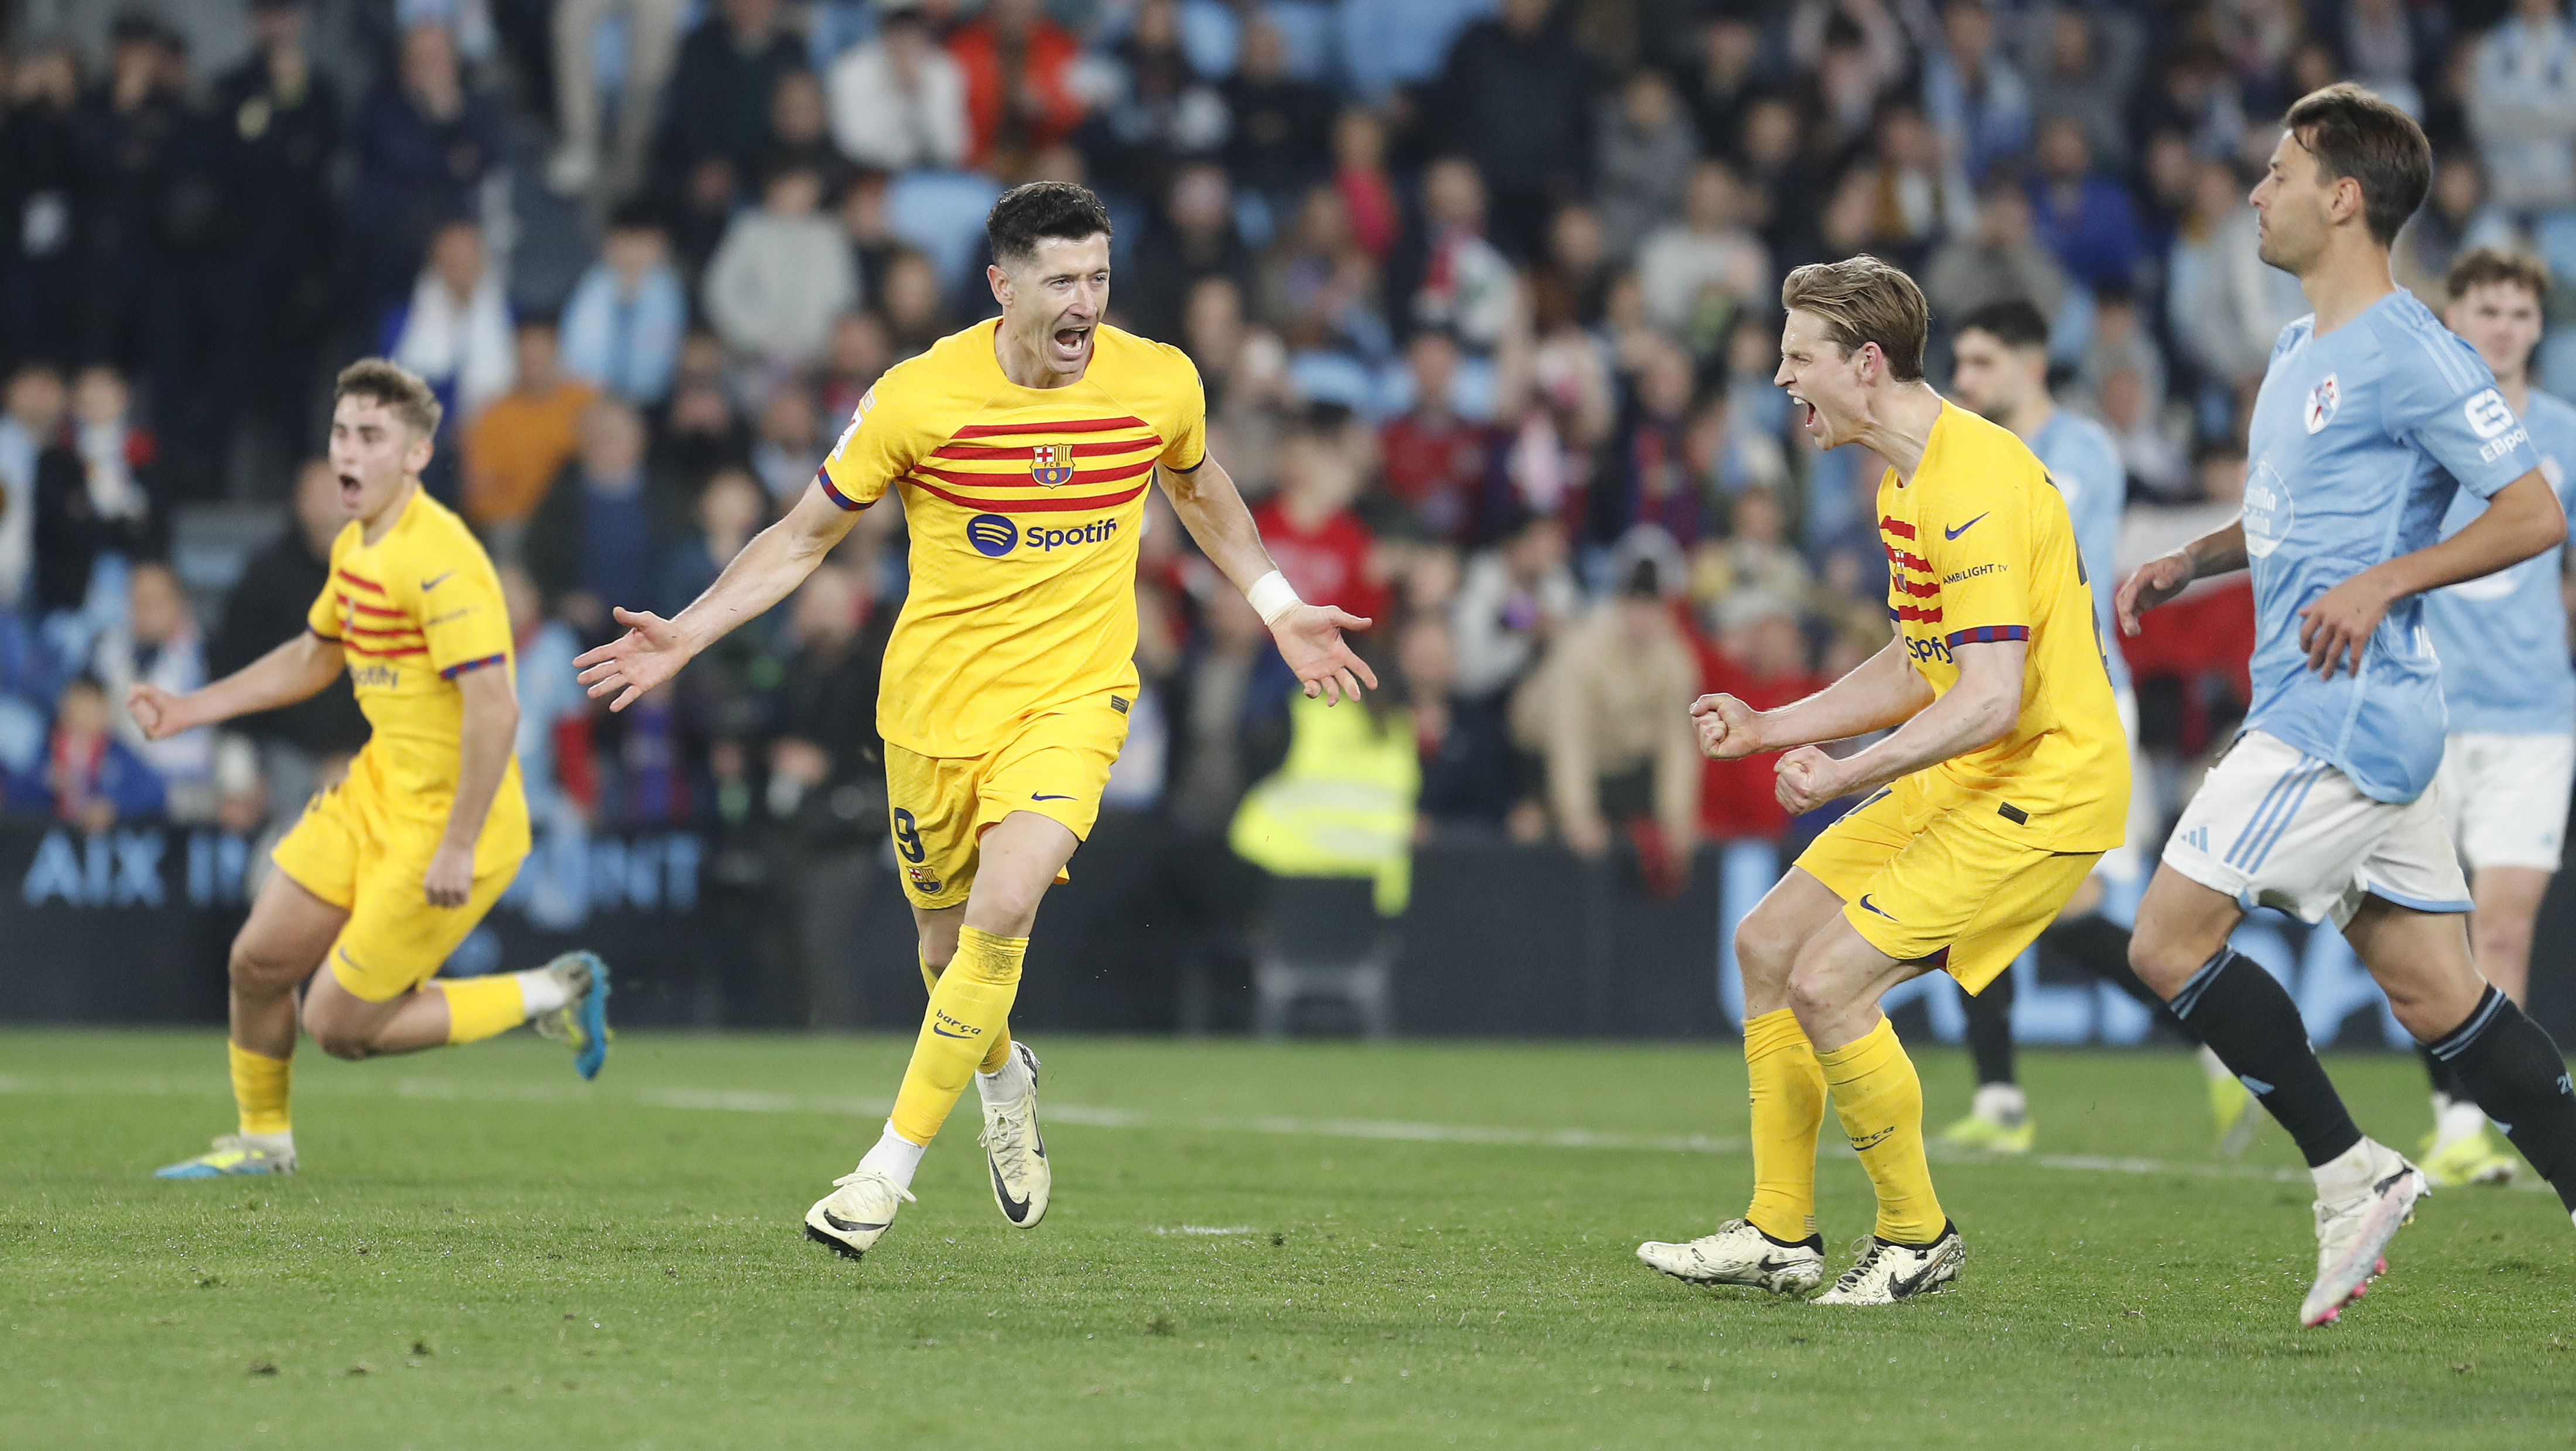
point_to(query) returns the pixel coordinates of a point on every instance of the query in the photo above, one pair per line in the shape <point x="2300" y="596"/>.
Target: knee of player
<point x="2154" y="960"/>
<point x="1762" y="948"/>
<point x="1813" y="992"/>
<point x="337" y="1041"/>
<point x="1004" y="909"/>
<point x="254" y="970"/>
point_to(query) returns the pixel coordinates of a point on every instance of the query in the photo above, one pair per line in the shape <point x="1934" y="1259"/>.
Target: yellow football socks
<point x="1881" y="1104"/>
<point x="480" y="1007"/>
<point x="967" y="1025"/>
<point x="259" y="1089"/>
<point x="1788" y="1108"/>
<point x="995" y="1056"/>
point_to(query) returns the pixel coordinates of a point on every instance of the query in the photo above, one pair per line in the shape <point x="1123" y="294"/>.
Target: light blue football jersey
<point x="2359" y="440"/>
<point x="2503" y="639"/>
<point x="2085" y="464"/>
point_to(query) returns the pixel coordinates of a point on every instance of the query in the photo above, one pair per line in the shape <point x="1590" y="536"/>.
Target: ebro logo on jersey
<point x="994" y="536"/>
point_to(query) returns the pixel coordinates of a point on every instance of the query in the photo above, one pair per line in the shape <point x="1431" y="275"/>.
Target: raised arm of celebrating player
<point x="1309" y="636"/>
<point x="767" y="570"/>
<point x="2521" y="520"/>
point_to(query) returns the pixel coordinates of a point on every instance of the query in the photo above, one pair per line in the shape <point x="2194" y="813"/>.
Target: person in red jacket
<point x="1312" y="533"/>
<point x="1018" y="67"/>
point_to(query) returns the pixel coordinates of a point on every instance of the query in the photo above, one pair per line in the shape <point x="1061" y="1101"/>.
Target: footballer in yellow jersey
<point x="391" y="867"/>
<point x="1020" y="451"/>
<point x="2004" y="778"/>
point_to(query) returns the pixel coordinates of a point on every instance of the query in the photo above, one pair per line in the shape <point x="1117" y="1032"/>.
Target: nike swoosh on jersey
<point x="436" y="580"/>
<point x="1050" y="798"/>
<point x="1867" y="905"/>
<point x="1964" y="528"/>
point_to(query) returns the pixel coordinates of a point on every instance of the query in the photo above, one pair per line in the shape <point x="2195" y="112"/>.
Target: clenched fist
<point x="1726" y="727"/>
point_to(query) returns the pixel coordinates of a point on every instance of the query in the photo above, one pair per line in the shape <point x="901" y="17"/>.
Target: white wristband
<point x="1272" y="596"/>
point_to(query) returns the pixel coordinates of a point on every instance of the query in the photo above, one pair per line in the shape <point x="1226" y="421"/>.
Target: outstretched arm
<point x="1976" y="712"/>
<point x="767" y="570"/>
<point x="1309" y="636"/>
<point x="293" y="671"/>
<point x="2161" y="578"/>
<point x="1880" y="692"/>
<point x="2522" y="520"/>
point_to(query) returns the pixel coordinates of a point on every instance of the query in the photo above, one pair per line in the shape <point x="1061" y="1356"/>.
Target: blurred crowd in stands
<point x="1484" y="294"/>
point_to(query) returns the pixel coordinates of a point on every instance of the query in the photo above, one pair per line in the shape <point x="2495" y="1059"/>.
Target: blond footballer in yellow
<point x="1021" y="450"/>
<point x="387" y="871"/>
<point x="2005" y="778"/>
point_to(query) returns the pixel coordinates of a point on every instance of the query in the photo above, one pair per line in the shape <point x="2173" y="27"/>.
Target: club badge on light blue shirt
<point x="2323" y="400"/>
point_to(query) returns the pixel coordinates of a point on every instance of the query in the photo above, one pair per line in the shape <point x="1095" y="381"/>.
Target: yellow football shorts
<point x="1923" y="881"/>
<point x="1056" y="766"/>
<point x="368" y="862"/>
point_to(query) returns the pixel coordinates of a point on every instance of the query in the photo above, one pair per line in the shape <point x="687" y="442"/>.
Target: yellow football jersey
<point x="1981" y="549"/>
<point x="1024" y="506"/>
<point x="413" y="611"/>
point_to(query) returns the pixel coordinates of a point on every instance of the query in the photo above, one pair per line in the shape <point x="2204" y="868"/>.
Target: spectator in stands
<point x="2091" y="66"/>
<point x="2082" y="215"/>
<point x="1197" y="240"/>
<point x="2002" y="260"/>
<point x="782" y="274"/>
<point x="1276" y="146"/>
<point x="87" y="777"/>
<point x="623" y="324"/>
<point x="1578" y="253"/>
<point x="157" y="644"/>
<point x="275" y="138"/>
<point x="1310" y="528"/>
<point x="2456" y="217"/>
<point x="1920" y="197"/>
<point x="859" y="354"/>
<point x="827" y="783"/>
<point x="2132" y="411"/>
<point x="717" y="106"/>
<point x="873" y="244"/>
<point x="1699" y="271"/>
<point x="1607" y="712"/>
<point x="787" y="448"/>
<point x="96" y="497"/>
<point x="731" y="509"/>
<point x="1780" y="185"/>
<point x="1759" y="657"/>
<point x="2522" y="109"/>
<point x="699" y="434"/>
<point x="522" y="439"/>
<point x="1319" y="288"/>
<point x="40" y="174"/>
<point x="2227" y="306"/>
<point x="271" y="602"/>
<point x="1360" y="177"/>
<point x="1468" y="771"/>
<point x="1514" y="599"/>
<point x="1243" y="369"/>
<point x="1643" y="149"/>
<point x="916" y="310"/>
<point x="1020" y="97"/>
<point x="1723" y="84"/>
<point x="800" y="133"/>
<point x="424" y="144"/>
<point x="652" y="33"/>
<point x="1462" y="281"/>
<point x="455" y="331"/>
<point x="1434" y="461"/>
<point x="1515" y="98"/>
<point x="1976" y="100"/>
<point x="1156" y="111"/>
<point x="31" y="419"/>
<point x="2121" y="341"/>
<point x="590" y="544"/>
<point x="899" y="99"/>
<point x="1649" y="480"/>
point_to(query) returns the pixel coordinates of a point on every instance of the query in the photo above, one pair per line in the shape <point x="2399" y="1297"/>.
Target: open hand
<point x="2341" y="619"/>
<point x="650" y="652"/>
<point x="1726" y="727"/>
<point x="1310" y="640"/>
<point x="2156" y="581"/>
<point x="160" y="713"/>
<point x="1807" y="778"/>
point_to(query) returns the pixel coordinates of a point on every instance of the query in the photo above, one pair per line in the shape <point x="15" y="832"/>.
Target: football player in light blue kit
<point x="2001" y="371"/>
<point x="2371" y="416"/>
<point x="2510" y="756"/>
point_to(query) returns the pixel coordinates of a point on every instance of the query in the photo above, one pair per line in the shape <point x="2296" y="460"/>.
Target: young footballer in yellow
<point x="388" y="870"/>
<point x="1020" y="451"/>
<point x="2005" y="778"/>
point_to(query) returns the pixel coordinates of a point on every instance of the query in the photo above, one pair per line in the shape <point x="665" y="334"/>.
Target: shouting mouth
<point x="350" y="491"/>
<point x="1070" y="344"/>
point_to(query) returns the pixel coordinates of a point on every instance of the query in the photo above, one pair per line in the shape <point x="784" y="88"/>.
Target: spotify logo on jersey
<point x="992" y="535"/>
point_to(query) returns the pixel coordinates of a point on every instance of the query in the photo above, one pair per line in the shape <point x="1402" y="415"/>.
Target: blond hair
<point x="1863" y="300"/>
<point x="388" y="383"/>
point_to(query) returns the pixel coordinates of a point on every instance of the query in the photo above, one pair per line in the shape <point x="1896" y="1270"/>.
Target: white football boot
<point x="1015" y="1152"/>
<point x="857" y="1213"/>
<point x="2353" y="1231"/>
<point x="1887" y="1272"/>
<point x="1739" y="1254"/>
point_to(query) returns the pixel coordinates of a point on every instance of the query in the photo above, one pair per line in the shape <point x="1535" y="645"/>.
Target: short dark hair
<point x="1039" y="209"/>
<point x="2014" y="322"/>
<point x="2481" y="265"/>
<point x="388" y="383"/>
<point x="2353" y="132"/>
<point x="1863" y="300"/>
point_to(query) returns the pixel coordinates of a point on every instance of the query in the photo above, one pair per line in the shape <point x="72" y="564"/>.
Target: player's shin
<point x="2249" y="1021"/>
<point x="1788" y="1108"/>
<point x="2509" y="1065"/>
<point x="969" y="1014"/>
<point x="260" y="1086"/>
<point x="482" y="1007"/>
<point x="1880" y="1100"/>
<point x="997" y="1057"/>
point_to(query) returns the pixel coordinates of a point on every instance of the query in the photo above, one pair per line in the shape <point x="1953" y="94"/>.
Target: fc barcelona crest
<point x="1051" y="464"/>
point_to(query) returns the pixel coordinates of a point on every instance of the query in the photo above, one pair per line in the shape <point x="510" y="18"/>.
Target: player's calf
<point x="2509" y="1065"/>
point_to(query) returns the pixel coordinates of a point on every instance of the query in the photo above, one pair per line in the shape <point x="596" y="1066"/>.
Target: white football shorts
<point x="2505" y="796"/>
<point x="2273" y="826"/>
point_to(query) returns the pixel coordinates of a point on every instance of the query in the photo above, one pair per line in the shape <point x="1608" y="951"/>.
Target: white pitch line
<point x="725" y="1100"/>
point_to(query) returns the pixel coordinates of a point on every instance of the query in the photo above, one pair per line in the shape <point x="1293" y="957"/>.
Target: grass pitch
<point x="1330" y="1246"/>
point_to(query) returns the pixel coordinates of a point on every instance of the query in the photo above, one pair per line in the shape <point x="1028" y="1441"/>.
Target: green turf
<point x="484" y="1252"/>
